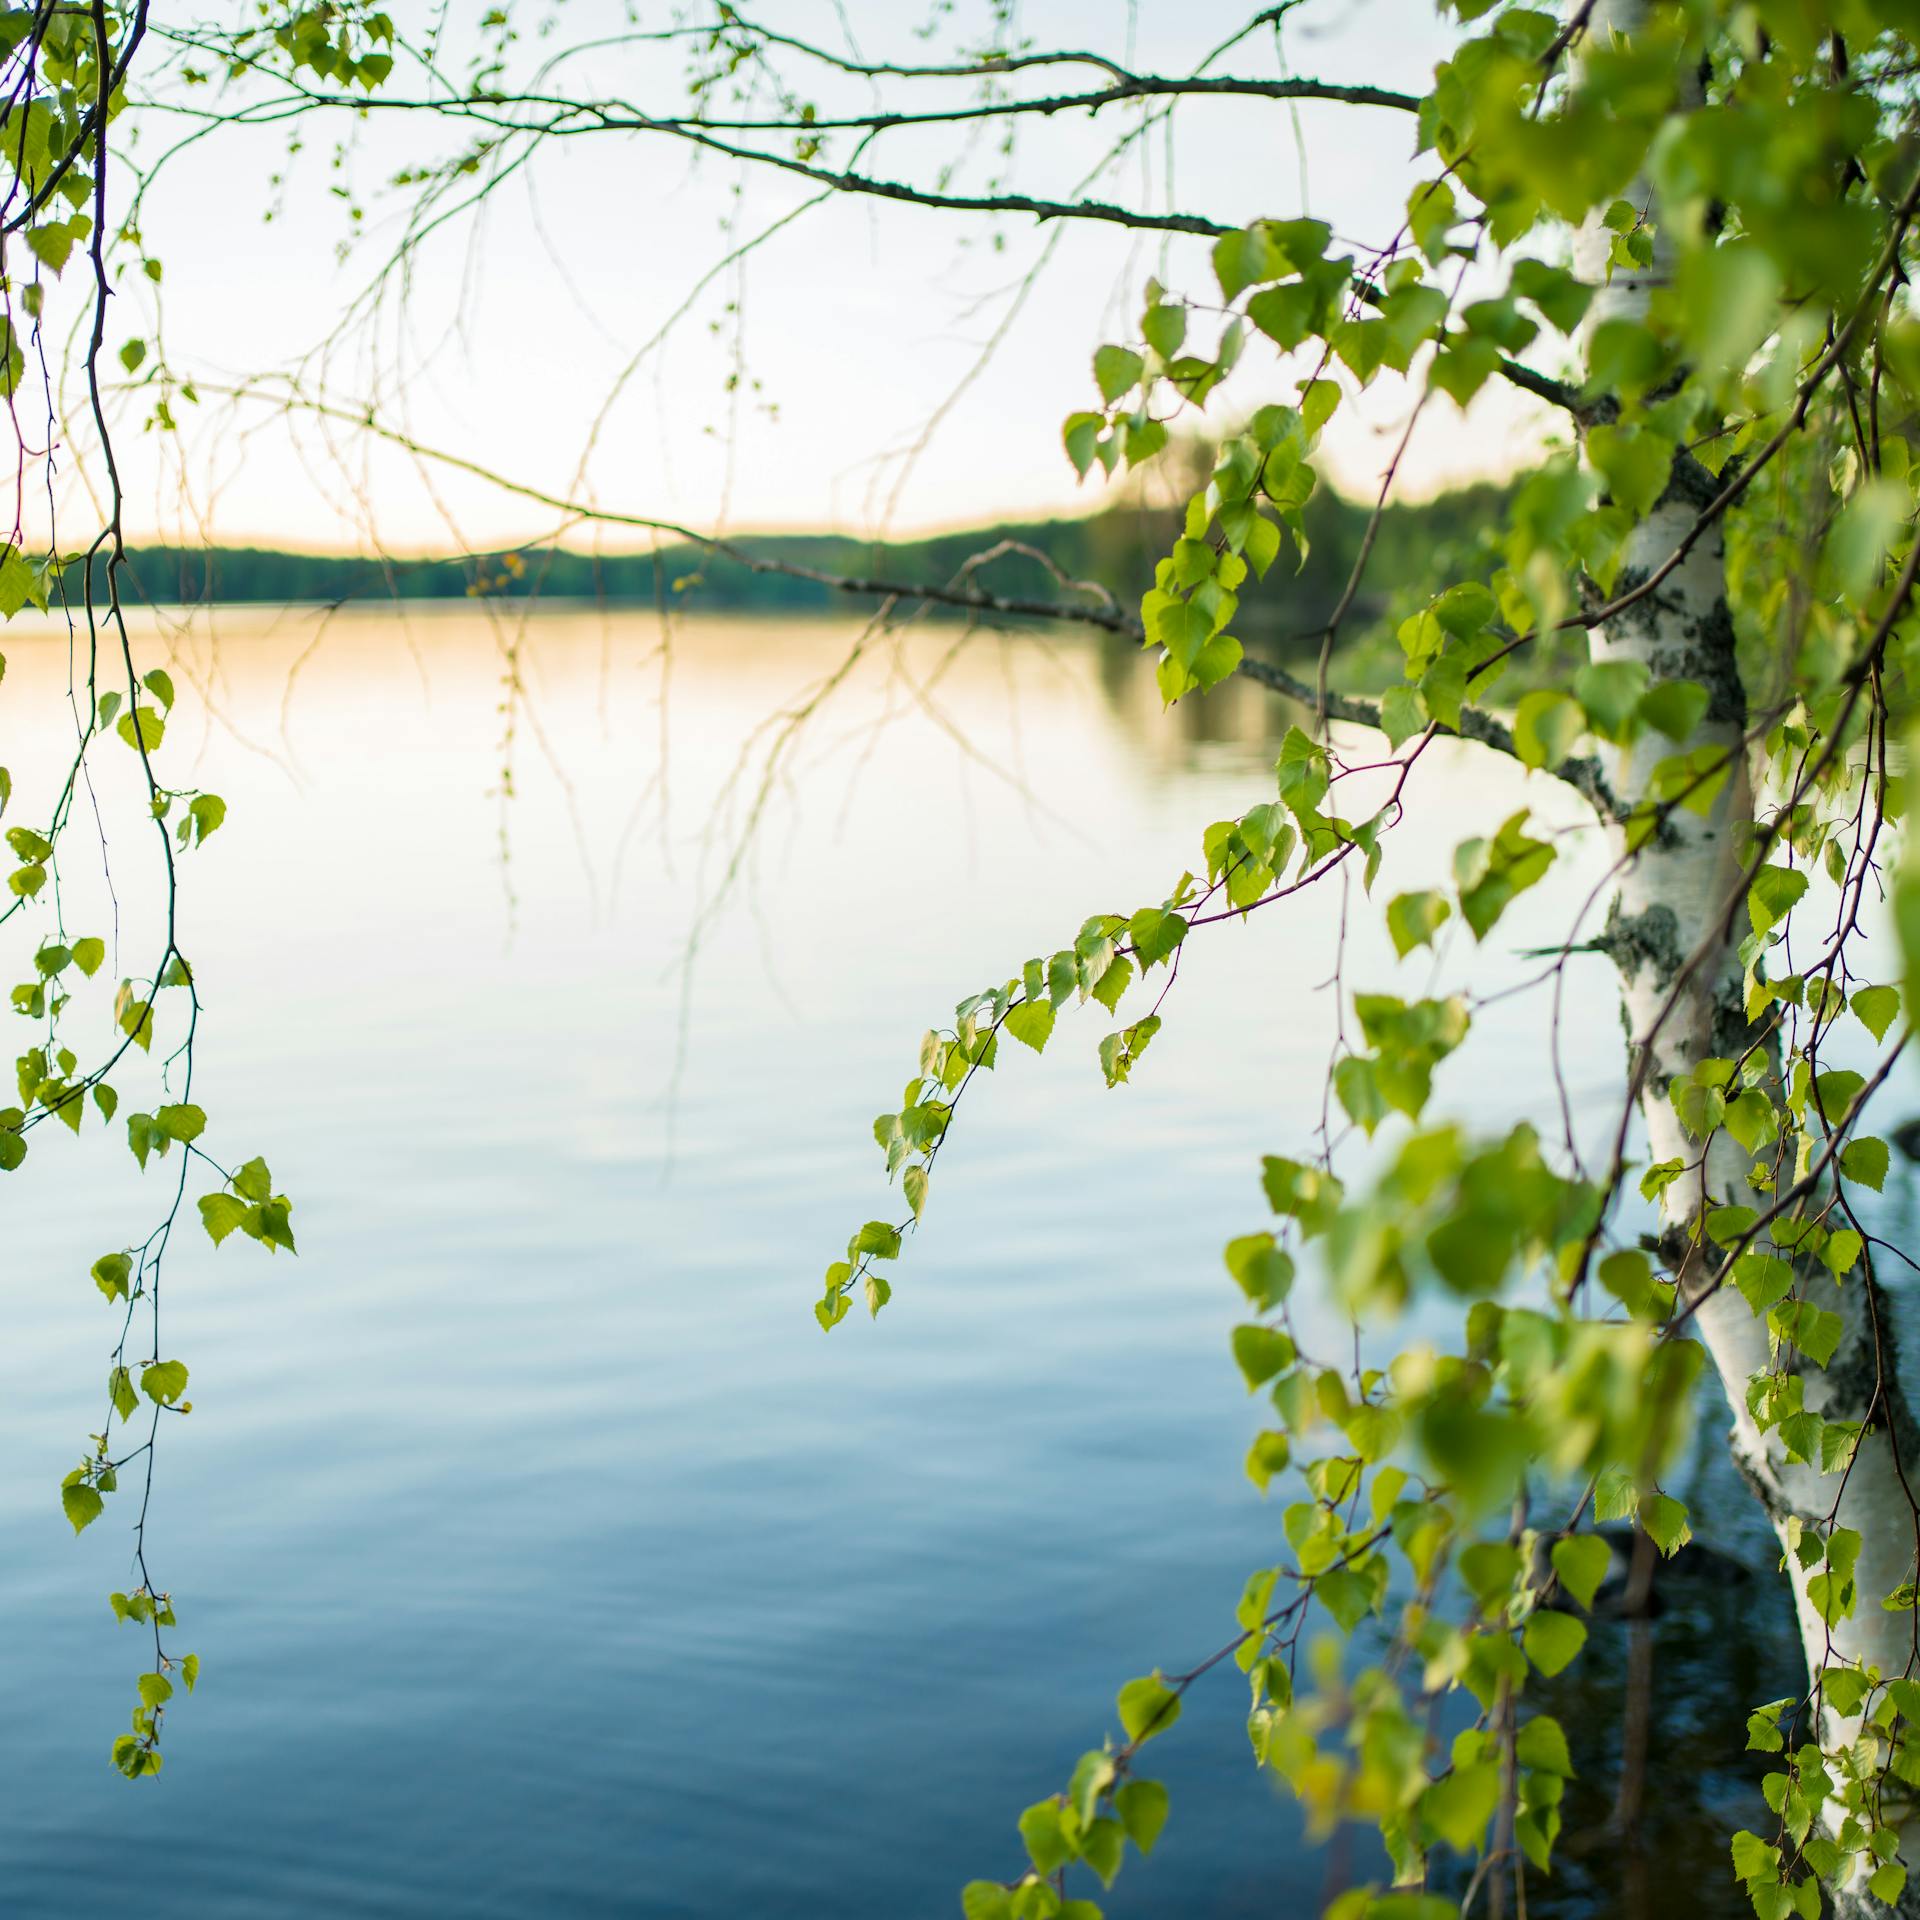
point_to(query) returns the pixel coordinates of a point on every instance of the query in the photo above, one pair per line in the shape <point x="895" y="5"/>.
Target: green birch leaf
<point x="1542" y="1744"/>
<point x="1865" y="1160"/>
<point x="1665" y="1519"/>
<point x="163" y="1382"/>
<point x="142" y="728"/>
<point x="1875" y="1008"/>
<point x="1116" y="370"/>
<point x="1414" y="918"/>
<point x="1554" y="1639"/>
<point x="985" y="1900"/>
<point x="220" y="1213"/>
<point x="1031" y="1023"/>
<point x="1148" y="1707"/>
<point x="1581" y="1560"/>
<point x="80" y="1504"/>
<point x="1459" y="1805"/>
<point x="1142" y="1807"/>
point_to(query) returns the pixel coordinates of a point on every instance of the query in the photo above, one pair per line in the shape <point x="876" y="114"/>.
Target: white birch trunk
<point x="1672" y="901"/>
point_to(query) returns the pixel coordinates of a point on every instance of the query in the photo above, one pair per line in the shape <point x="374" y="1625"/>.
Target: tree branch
<point x="629" y="120"/>
<point x="1556" y="393"/>
<point x="919" y="196"/>
<point x="1583" y="775"/>
<point x="1146" y="87"/>
<point x="572" y="118"/>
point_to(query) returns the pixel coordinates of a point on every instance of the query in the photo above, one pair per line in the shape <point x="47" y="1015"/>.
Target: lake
<point x="542" y="1555"/>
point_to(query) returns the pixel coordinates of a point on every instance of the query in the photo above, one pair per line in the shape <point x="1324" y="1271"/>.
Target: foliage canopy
<point x="1687" y="228"/>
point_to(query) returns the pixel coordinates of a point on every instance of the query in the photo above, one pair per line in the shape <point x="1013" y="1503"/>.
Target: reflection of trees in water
<point x="1240" y="716"/>
<point x="1655" y="1713"/>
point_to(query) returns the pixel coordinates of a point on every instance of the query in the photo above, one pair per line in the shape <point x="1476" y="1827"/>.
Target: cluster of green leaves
<point x="1599" y="1399"/>
<point x="346" y="42"/>
<point x="1266" y="853"/>
<point x="47" y="173"/>
<point x="1532" y="1387"/>
<point x="86" y="1034"/>
<point x="1408" y="1461"/>
<point x="1749" y="372"/>
<point x="1830" y="1817"/>
<point x="138" y="1753"/>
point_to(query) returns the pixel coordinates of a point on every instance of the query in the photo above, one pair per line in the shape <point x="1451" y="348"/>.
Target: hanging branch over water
<point x="1734" y="535"/>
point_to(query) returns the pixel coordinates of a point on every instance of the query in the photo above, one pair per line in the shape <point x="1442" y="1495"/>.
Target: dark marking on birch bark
<point x="1633" y="941"/>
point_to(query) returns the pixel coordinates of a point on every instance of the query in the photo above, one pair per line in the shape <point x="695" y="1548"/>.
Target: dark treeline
<point x="1117" y="548"/>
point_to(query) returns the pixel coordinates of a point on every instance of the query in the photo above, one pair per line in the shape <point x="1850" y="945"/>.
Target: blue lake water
<point x="542" y="1555"/>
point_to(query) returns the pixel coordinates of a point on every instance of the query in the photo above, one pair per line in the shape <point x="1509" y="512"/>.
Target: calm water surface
<point x="542" y="1555"/>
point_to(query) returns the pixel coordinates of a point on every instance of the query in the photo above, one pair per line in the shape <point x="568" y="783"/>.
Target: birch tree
<point x="1686" y="229"/>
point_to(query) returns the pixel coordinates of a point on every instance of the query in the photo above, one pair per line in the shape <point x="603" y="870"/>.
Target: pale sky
<point x="862" y="321"/>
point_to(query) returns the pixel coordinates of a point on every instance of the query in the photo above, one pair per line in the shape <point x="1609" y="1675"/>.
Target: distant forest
<point x="1416" y="547"/>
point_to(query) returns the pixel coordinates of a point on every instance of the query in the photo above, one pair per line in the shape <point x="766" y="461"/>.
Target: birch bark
<point x="1671" y="904"/>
